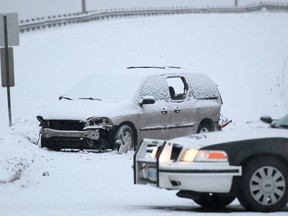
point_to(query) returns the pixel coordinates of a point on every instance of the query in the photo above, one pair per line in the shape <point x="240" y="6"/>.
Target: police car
<point x="213" y="169"/>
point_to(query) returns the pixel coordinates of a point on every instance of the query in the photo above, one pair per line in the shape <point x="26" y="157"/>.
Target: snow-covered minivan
<point x="116" y="111"/>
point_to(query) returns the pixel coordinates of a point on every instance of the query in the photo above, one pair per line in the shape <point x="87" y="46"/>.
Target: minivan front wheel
<point x="124" y="139"/>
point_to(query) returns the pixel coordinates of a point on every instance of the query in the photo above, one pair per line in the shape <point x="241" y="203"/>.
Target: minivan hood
<point x="82" y="109"/>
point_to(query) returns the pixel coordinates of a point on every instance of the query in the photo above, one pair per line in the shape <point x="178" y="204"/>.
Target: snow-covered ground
<point x="245" y="54"/>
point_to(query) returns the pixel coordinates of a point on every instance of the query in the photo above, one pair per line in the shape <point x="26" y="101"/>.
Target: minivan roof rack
<point x="157" y="67"/>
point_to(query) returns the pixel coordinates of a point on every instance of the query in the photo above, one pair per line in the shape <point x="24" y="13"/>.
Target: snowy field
<point x="245" y="54"/>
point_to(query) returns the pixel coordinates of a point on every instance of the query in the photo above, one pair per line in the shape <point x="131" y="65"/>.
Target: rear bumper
<point x="198" y="177"/>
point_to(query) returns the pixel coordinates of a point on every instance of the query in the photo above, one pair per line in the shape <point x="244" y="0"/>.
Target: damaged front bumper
<point x="92" y="133"/>
<point x="88" y="134"/>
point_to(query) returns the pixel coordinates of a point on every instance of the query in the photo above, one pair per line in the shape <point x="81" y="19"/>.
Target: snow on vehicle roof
<point x="202" y="86"/>
<point x="125" y="84"/>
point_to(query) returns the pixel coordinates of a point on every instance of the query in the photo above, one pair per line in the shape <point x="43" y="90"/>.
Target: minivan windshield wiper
<point x="283" y="126"/>
<point x="91" y="98"/>
<point x="65" y="97"/>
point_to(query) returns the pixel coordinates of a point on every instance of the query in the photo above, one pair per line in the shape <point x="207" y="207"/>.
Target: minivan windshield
<point x="104" y="87"/>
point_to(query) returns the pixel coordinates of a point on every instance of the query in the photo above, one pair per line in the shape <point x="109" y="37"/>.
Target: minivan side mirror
<point x="147" y="100"/>
<point x="267" y="119"/>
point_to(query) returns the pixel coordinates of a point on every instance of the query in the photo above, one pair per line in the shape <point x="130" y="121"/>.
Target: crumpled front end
<point x="179" y="167"/>
<point x="93" y="133"/>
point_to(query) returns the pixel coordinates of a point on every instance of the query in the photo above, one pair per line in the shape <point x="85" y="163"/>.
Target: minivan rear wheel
<point x="204" y="127"/>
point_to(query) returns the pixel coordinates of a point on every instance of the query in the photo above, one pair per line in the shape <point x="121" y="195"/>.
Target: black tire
<point x="264" y="185"/>
<point x="124" y="139"/>
<point x="204" y="127"/>
<point x="45" y="143"/>
<point x="212" y="200"/>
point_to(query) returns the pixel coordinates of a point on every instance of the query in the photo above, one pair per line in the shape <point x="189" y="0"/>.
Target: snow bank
<point x="17" y="151"/>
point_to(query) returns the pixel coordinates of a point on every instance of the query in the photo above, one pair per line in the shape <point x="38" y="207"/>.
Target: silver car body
<point x="139" y="98"/>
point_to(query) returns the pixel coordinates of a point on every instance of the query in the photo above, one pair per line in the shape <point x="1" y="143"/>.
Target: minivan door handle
<point x="164" y="111"/>
<point x="177" y="110"/>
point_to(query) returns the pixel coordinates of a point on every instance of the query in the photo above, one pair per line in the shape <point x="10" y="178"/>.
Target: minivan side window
<point x="177" y="87"/>
<point x="155" y="86"/>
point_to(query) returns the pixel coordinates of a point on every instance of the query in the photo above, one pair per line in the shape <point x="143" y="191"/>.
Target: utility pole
<point x="83" y="6"/>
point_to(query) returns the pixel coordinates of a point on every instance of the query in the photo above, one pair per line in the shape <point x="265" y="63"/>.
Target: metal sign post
<point x="10" y="65"/>
<point x="9" y="36"/>
<point x="7" y="69"/>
